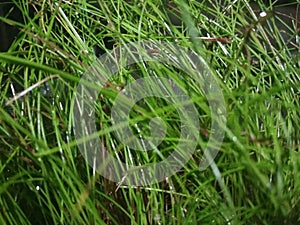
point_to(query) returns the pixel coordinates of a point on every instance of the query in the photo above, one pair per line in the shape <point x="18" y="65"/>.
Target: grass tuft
<point x="255" y="178"/>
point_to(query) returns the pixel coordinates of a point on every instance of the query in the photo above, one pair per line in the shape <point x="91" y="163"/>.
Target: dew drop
<point x="263" y="14"/>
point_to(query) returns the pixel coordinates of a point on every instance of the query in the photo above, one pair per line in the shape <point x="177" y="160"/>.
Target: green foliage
<point x="255" y="178"/>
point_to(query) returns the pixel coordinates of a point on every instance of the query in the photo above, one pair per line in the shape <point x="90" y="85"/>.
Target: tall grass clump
<point x="252" y="49"/>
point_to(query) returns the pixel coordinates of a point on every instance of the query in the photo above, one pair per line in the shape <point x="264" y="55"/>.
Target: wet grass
<point x="255" y="178"/>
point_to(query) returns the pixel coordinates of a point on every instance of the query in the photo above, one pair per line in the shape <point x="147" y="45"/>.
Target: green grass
<point x="255" y="178"/>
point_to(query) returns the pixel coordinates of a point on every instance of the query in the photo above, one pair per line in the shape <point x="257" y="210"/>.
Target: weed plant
<point x="255" y="178"/>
